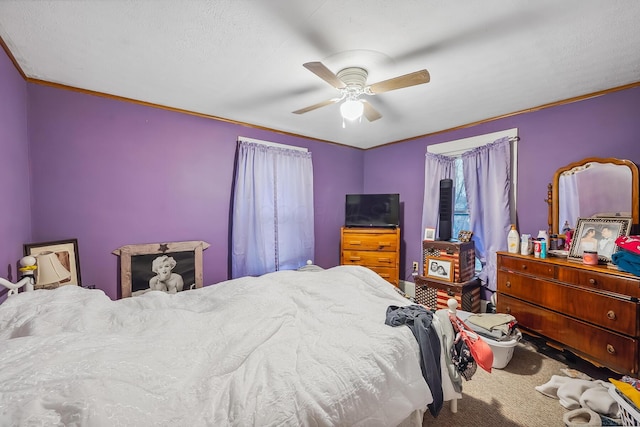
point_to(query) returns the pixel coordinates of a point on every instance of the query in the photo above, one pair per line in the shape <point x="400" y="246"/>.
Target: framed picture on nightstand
<point x="430" y="234"/>
<point x="440" y="268"/>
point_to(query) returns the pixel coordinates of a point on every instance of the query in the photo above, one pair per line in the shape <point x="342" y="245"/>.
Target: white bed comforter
<point x="288" y="348"/>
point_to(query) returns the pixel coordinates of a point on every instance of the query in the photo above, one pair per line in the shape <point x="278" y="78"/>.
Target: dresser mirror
<point x="591" y="187"/>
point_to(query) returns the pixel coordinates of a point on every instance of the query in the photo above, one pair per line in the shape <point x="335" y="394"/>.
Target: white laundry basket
<point x="502" y="350"/>
<point x="627" y="412"/>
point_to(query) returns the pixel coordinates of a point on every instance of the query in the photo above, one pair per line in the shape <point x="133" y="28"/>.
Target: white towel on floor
<point x="575" y="393"/>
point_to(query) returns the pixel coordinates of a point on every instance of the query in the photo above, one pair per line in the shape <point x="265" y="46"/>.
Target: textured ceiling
<point x="241" y="60"/>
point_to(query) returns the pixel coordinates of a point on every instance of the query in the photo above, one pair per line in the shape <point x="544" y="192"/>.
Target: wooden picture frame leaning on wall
<point x="67" y="253"/>
<point x="139" y="265"/>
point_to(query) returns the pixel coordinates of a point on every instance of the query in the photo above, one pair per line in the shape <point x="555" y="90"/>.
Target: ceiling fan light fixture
<point x="351" y="109"/>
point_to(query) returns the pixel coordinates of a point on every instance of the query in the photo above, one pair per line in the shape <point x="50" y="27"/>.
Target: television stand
<point x="377" y="248"/>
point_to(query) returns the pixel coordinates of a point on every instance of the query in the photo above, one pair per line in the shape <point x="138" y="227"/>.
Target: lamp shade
<point x="50" y="269"/>
<point x="351" y="109"/>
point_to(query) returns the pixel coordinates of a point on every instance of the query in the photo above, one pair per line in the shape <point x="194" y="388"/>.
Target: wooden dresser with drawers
<point x="375" y="248"/>
<point x="592" y="311"/>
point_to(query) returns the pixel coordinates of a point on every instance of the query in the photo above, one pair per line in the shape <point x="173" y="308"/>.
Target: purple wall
<point x="606" y="126"/>
<point x="15" y="215"/>
<point x="112" y="173"/>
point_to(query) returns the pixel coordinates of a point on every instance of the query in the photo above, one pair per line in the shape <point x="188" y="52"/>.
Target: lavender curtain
<point x="436" y="167"/>
<point x="272" y="221"/>
<point x="487" y="179"/>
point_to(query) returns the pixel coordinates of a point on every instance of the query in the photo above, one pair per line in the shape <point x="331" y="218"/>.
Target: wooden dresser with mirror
<point x="592" y="311"/>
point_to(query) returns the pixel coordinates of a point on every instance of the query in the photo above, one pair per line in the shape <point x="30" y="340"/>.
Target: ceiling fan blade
<point x="411" y="79"/>
<point x="316" y="106"/>
<point x="369" y="112"/>
<point x="325" y="74"/>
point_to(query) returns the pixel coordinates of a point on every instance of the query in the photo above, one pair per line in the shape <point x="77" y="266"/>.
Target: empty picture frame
<point x="67" y="253"/>
<point x="170" y="267"/>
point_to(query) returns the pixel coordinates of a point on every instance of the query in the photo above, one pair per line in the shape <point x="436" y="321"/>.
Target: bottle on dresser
<point x="513" y="239"/>
<point x="542" y="234"/>
<point x="525" y="244"/>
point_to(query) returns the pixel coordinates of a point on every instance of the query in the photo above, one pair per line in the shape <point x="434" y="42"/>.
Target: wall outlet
<point x="415" y="265"/>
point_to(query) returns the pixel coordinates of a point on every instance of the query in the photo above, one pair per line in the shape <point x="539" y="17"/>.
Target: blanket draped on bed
<point x="284" y="349"/>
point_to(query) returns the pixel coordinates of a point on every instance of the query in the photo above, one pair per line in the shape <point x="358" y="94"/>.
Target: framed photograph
<point x="430" y="234"/>
<point x="169" y="267"/>
<point x="465" y="236"/>
<point x="67" y="253"/>
<point x="598" y="234"/>
<point x="439" y="268"/>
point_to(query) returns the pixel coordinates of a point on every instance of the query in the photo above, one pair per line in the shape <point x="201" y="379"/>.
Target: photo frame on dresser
<point x="598" y="234"/>
<point x="67" y="253"/>
<point x="169" y="267"/>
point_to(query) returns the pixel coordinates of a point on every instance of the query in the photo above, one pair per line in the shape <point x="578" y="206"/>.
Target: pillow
<point x="310" y="267"/>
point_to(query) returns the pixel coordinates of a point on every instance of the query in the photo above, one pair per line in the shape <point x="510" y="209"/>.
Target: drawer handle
<point x="384" y="260"/>
<point x="508" y="310"/>
<point x="611" y="349"/>
<point x="524" y="266"/>
<point x="593" y="281"/>
<point x="508" y="284"/>
<point x="381" y="244"/>
<point x="611" y="315"/>
<point x="354" y="258"/>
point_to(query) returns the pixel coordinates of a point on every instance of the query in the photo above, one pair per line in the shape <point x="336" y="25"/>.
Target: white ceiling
<point x="241" y="60"/>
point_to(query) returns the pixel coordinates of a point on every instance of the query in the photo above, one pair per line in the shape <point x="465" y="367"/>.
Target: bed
<point x="290" y="348"/>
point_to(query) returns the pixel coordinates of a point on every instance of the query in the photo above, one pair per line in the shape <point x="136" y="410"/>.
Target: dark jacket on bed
<point x="419" y="320"/>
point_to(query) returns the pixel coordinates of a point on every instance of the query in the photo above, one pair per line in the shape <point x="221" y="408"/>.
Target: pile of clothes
<point x="591" y="402"/>
<point x="627" y="258"/>
<point x="497" y="326"/>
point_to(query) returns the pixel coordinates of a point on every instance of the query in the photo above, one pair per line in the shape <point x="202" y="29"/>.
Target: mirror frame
<point x="553" y="190"/>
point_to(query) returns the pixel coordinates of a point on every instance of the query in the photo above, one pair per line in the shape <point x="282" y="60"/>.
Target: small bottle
<point x="525" y="244"/>
<point x="513" y="239"/>
<point x="543" y="248"/>
<point x="536" y="248"/>
<point x="542" y="234"/>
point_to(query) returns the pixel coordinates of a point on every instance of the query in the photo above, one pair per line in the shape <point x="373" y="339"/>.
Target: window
<point x="272" y="218"/>
<point x="450" y="161"/>
<point x="455" y="149"/>
<point x="460" y="206"/>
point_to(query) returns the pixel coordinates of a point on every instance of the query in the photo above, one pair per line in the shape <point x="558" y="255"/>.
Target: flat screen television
<point x="372" y="210"/>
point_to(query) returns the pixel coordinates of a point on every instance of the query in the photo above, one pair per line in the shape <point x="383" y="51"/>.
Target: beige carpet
<point x="506" y="397"/>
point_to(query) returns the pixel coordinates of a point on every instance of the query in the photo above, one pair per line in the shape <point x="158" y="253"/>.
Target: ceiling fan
<point x="351" y="84"/>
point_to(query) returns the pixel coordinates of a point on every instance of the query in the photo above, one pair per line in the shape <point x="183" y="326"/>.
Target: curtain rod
<point x="271" y="144"/>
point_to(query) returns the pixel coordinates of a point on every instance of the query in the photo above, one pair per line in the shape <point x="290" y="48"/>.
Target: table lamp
<point x="50" y="270"/>
<point x="47" y="268"/>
